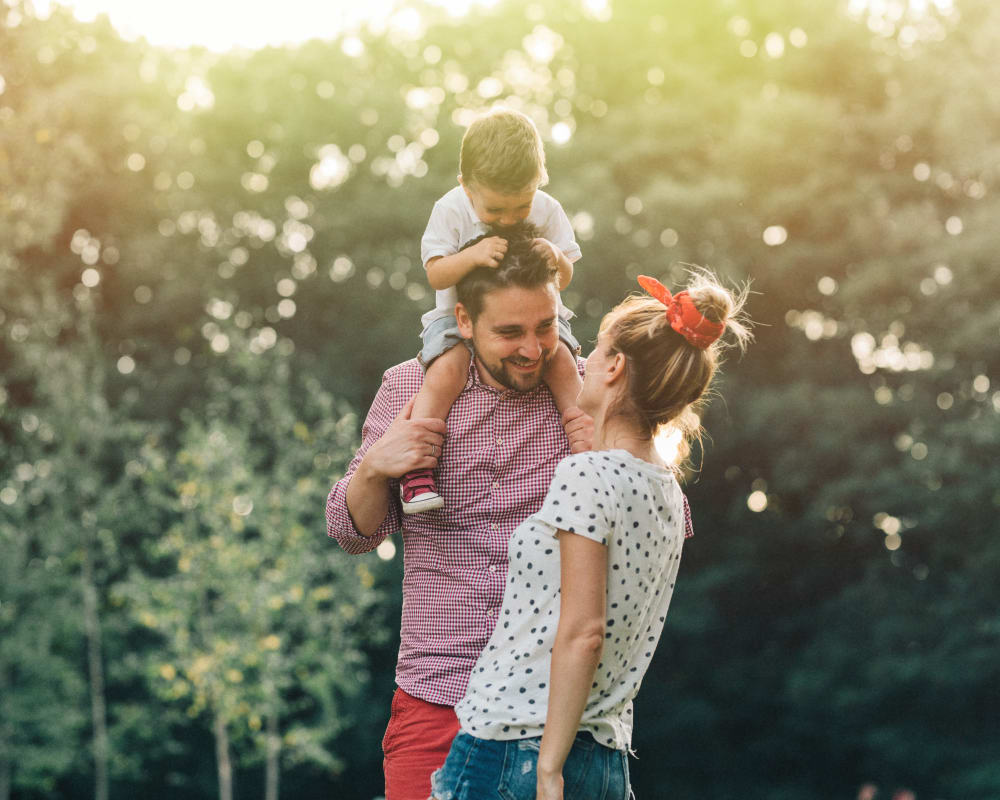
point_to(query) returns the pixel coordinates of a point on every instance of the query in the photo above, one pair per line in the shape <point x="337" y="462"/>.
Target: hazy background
<point x="208" y="257"/>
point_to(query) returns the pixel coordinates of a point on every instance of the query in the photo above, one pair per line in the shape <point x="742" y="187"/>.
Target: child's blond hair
<point x="502" y="151"/>
<point x="667" y="376"/>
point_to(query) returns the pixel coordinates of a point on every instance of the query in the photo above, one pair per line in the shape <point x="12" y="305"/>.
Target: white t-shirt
<point x="454" y="222"/>
<point x="634" y="508"/>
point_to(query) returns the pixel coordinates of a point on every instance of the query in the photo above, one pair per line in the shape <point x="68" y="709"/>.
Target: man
<point x="504" y="439"/>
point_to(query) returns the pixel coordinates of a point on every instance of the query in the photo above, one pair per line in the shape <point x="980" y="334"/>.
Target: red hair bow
<point x="683" y="315"/>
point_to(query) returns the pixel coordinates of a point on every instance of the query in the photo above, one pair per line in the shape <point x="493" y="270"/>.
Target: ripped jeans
<point x="488" y="769"/>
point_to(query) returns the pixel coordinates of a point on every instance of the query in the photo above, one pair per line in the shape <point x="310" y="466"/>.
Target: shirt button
<point x="496" y="526"/>
<point x="493" y="567"/>
<point x="499" y="441"/>
<point x="490" y="612"/>
<point x="496" y="484"/>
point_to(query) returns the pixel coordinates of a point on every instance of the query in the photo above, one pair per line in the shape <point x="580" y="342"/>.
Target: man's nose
<point x="531" y="347"/>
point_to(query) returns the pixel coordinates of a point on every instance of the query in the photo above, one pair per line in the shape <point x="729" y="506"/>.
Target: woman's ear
<point x="616" y="368"/>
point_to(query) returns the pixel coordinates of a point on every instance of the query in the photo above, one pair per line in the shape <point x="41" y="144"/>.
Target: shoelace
<point x="416" y="482"/>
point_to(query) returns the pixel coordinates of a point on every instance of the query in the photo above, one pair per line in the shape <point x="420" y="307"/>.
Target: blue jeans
<point x="487" y="769"/>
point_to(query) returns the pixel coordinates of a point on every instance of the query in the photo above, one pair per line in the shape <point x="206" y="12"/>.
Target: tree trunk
<point x="273" y="770"/>
<point x="98" y="706"/>
<point x="5" y="776"/>
<point x="225" y="768"/>
<point x="6" y="768"/>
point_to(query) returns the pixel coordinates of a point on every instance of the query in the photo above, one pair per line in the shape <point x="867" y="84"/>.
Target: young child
<point x="501" y="167"/>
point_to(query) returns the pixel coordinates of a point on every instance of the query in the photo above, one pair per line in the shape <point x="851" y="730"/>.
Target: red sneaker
<point x="418" y="492"/>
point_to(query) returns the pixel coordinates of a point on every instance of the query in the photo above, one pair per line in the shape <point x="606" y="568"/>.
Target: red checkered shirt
<point x="497" y="461"/>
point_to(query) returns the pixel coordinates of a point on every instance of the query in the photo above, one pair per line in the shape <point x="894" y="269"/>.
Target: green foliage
<point x="198" y="295"/>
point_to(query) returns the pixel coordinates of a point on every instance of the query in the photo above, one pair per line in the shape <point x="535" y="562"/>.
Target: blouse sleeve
<point x="579" y="500"/>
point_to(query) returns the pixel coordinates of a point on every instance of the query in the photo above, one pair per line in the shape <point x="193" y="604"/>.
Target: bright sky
<point x="223" y="24"/>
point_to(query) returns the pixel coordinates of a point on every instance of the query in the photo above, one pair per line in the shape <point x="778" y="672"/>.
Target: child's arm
<point x="444" y="272"/>
<point x="558" y="259"/>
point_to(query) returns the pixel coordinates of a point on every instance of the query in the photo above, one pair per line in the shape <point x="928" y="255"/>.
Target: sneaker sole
<point x="423" y="505"/>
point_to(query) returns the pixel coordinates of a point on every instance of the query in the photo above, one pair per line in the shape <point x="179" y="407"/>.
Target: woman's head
<point x="665" y="372"/>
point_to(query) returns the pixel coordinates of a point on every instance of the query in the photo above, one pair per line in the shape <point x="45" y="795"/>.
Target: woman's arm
<point x="575" y="655"/>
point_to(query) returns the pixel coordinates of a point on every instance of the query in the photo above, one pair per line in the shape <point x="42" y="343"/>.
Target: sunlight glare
<point x="667" y="443"/>
<point x="222" y="25"/>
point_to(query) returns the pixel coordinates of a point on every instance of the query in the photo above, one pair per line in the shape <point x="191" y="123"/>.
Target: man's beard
<point x="518" y="383"/>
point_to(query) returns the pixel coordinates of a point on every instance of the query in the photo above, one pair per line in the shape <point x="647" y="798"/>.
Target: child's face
<point x="499" y="209"/>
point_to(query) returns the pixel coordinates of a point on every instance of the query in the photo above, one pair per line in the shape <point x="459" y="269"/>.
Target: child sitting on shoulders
<point x="502" y="166"/>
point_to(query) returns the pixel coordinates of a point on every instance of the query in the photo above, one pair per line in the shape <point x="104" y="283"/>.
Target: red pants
<point x="416" y="743"/>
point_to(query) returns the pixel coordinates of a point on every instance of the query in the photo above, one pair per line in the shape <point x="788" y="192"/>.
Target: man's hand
<point x="579" y="428"/>
<point x="406" y="445"/>
<point x="488" y="252"/>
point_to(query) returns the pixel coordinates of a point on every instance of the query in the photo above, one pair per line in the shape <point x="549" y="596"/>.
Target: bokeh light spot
<point x="775" y="235"/>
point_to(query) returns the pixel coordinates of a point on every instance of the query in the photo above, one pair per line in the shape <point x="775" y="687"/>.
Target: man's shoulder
<point x="405" y="378"/>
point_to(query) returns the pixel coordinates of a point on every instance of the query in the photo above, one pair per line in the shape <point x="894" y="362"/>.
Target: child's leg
<point x="443" y="383"/>
<point x="563" y="378"/>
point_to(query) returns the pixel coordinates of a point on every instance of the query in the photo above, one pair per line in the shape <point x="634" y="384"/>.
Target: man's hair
<point x="521" y="266"/>
<point x="502" y="151"/>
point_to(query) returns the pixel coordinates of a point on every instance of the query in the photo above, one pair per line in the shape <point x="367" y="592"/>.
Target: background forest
<point x="207" y="261"/>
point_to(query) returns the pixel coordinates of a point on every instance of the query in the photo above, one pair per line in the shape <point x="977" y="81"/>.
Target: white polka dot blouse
<point x="636" y="510"/>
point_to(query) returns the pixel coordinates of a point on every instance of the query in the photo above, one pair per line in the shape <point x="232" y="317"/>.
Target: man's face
<point x="514" y="336"/>
<point x="499" y="209"/>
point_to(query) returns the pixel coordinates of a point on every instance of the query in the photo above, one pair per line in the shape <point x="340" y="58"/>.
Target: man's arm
<point x="361" y="509"/>
<point x="407" y="444"/>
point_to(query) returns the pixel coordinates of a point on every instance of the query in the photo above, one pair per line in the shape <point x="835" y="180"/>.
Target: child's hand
<point x="579" y="426"/>
<point x="547" y="251"/>
<point x="489" y="252"/>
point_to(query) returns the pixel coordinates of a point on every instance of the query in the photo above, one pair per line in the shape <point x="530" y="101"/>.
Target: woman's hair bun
<point x="719" y="304"/>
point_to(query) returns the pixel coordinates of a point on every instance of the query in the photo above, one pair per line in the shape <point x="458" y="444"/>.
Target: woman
<point x="548" y="709"/>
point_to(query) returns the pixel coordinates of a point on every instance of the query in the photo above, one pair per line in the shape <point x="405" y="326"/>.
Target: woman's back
<point x="635" y="509"/>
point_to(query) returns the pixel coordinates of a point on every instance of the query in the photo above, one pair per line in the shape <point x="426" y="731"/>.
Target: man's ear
<point x="464" y="321"/>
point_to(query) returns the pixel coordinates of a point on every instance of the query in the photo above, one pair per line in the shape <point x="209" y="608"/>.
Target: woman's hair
<point x="667" y="376"/>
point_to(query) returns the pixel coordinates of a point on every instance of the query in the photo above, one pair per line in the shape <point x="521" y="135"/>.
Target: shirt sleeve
<point x="688" y="526"/>
<point x="579" y="501"/>
<point x="441" y="235"/>
<point x="558" y="230"/>
<point x="339" y="525"/>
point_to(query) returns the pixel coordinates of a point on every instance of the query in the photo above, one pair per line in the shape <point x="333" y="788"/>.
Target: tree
<point x="256" y="617"/>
